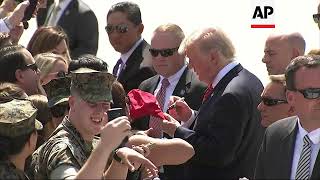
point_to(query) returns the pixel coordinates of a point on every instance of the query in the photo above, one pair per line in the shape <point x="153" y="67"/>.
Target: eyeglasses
<point x="316" y="18"/>
<point x="163" y="52"/>
<point x="61" y="74"/>
<point x="33" y="67"/>
<point x="121" y="28"/>
<point x="310" y="93"/>
<point x="59" y="110"/>
<point x="272" y="102"/>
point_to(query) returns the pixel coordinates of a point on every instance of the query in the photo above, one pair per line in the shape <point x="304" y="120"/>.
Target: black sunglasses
<point x="33" y="67"/>
<point x="121" y="28"/>
<point x="272" y="102"/>
<point x="59" y="110"/>
<point x="316" y="18"/>
<point x="163" y="52"/>
<point x="310" y="93"/>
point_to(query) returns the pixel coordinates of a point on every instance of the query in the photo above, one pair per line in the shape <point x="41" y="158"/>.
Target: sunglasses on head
<point x="163" y="52"/>
<point x="59" y="110"/>
<point x="121" y="28"/>
<point x="272" y="102"/>
<point x="316" y="18"/>
<point x="33" y="67"/>
<point x="310" y="93"/>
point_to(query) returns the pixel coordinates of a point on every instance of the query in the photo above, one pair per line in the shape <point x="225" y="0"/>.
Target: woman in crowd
<point x="49" y="39"/>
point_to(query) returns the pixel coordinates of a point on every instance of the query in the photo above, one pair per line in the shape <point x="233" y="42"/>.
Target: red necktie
<point x="208" y="92"/>
<point x="155" y="123"/>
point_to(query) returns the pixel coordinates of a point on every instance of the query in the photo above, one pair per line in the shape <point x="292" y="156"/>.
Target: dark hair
<point x="5" y="40"/>
<point x="308" y="61"/>
<point x="11" y="59"/>
<point x="9" y="91"/>
<point x="118" y="95"/>
<point x="88" y="61"/>
<point x="131" y="9"/>
<point x="45" y="39"/>
<point x="12" y="145"/>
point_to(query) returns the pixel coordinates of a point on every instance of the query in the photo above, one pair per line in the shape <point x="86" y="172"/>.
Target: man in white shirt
<point x="290" y="146"/>
<point x="124" y="29"/>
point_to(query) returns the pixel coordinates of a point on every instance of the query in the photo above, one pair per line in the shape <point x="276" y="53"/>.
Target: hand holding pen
<point x="179" y="109"/>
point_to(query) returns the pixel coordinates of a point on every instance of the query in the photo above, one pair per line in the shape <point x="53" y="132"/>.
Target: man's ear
<point x="19" y="75"/>
<point x="71" y="101"/>
<point x="295" y="53"/>
<point x="140" y="28"/>
<point x="290" y="97"/>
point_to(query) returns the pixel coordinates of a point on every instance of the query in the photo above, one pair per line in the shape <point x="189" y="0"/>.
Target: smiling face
<point x="88" y="118"/>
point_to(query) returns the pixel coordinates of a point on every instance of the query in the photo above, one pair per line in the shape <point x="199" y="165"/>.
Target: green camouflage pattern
<point x="92" y="86"/>
<point x="9" y="171"/>
<point x="58" y="91"/>
<point x="18" y="117"/>
<point x="65" y="146"/>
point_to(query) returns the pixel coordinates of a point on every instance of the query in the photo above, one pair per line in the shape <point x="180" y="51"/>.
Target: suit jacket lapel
<point x="68" y="10"/>
<point x="287" y="150"/>
<point x="133" y="62"/>
<point x="184" y="84"/>
<point x="316" y="172"/>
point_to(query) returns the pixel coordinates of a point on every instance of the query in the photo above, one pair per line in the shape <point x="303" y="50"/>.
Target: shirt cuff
<point x="188" y="123"/>
<point x="3" y="27"/>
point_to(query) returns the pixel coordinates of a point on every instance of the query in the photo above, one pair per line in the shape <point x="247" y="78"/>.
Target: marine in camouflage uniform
<point x="66" y="146"/>
<point x="17" y="119"/>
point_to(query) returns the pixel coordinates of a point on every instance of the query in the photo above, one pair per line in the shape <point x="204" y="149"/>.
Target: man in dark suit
<point x="124" y="28"/>
<point x="80" y="24"/>
<point x="183" y="82"/>
<point x="290" y="146"/>
<point x="227" y="133"/>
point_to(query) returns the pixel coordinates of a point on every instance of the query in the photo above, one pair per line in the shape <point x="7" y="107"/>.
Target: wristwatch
<point x="8" y="24"/>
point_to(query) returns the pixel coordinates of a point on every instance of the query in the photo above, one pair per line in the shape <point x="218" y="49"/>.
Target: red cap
<point x="144" y="104"/>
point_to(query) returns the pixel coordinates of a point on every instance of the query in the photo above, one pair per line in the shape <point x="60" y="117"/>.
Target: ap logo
<point x="262" y="14"/>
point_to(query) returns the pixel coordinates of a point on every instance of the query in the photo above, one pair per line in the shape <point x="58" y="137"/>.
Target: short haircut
<point x="88" y="61"/>
<point x="279" y="79"/>
<point x="210" y="38"/>
<point x="11" y="59"/>
<point x="131" y="9"/>
<point x="5" y="40"/>
<point x="314" y="52"/>
<point x="308" y="61"/>
<point x="172" y="28"/>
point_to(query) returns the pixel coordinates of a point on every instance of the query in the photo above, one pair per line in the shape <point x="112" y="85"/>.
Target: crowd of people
<point x="217" y="121"/>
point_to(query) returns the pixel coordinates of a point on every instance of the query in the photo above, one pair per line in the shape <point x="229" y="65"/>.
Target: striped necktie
<point x="303" y="169"/>
<point x="155" y="123"/>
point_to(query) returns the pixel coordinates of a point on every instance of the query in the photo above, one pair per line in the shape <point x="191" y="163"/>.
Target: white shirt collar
<point x="313" y="135"/>
<point x="223" y="72"/>
<point x="173" y="80"/>
<point x="124" y="57"/>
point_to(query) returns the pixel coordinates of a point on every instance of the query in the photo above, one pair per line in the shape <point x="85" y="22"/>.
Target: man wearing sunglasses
<point x="290" y="146"/>
<point x="18" y="66"/>
<point x="274" y="105"/>
<point x="124" y="29"/>
<point x="279" y="50"/>
<point x="316" y="17"/>
<point x="171" y="67"/>
<point x="227" y="133"/>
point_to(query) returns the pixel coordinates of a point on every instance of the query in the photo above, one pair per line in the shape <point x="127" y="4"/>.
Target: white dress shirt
<point x="315" y="139"/>
<point x="216" y="80"/>
<point x="124" y="57"/>
<point x="3" y="27"/>
<point x="63" y="5"/>
<point x="173" y="80"/>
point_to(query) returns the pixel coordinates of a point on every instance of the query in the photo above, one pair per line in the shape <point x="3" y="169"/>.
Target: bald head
<point x="281" y="49"/>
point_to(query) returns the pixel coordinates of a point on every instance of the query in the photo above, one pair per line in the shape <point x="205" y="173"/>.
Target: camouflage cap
<point x="58" y="91"/>
<point x="18" y="117"/>
<point x="92" y="86"/>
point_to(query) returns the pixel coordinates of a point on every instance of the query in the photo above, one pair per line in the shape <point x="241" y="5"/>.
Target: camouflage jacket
<point x="65" y="146"/>
<point x="9" y="171"/>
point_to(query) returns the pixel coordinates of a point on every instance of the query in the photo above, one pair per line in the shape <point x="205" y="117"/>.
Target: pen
<point x="174" y="104"/>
